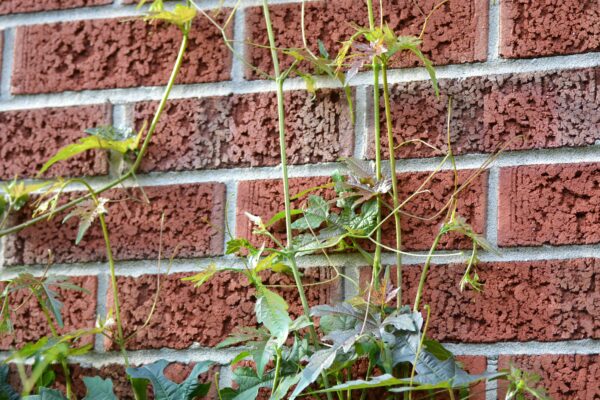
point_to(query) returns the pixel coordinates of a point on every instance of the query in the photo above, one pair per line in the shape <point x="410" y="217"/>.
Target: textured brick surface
<point x="549" y="204"/>
<point x="265" y="198"/>
<point x="565" y="376"/>
<point x="192" y="228"/>
<point x="241" y="131"/>
<point x="531" y="28"/>
<point x="110" y="53"/>
<point x="521" y="301"/>
<point x="456" y="33"/>
<point x="26" y="6"/>
<point x="186" y="315"/>
<point x="522" y="111"/>
<point x="28" y="138"/>
<point x="78" y="312"/>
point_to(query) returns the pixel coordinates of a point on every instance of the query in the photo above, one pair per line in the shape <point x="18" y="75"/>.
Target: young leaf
<point x="271" y="311"/>
<point x="202" y="277"/>
<point x="165" y="389"/>
<point x="87" y="212"/>
<point x="179" y="16"/>
<point x="99" y="389"/>
<point x="96" y="141"/>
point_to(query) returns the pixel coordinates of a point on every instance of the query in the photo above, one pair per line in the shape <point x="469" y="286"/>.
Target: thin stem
<point x="390" y="136"/>
<point x="286" y="185"/>
<point x="424" y="272"/>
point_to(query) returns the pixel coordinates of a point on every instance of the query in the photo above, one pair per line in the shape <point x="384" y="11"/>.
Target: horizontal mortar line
<point x="519" y="158"/>
<point x="353" y="260"/>
<point x="566" y="347"/>
<point x="110" y="11"/>
<point x="584" y="346"/>
<point x="150" y="93"/>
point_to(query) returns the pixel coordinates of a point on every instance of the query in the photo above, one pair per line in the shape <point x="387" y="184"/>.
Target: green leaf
<point x="284" y="386"/>
<point x="311" y="83"/>
<point x="90" y="143"/>
<point x="6" y="391"/>
<point x="47" y="394"/>
<point x="236" y="245"/>
<point x="87" y="212"/>
<point x="165" y="389"/>
<point x="244" y="334"/>
<point x="318" y="363"/>
<point x="140" y="388"/>
<point x="262" y="354"/>
<point x="384" y="380"/>
<point x="281" y="215"/>
<point x="202" y="277"/>
<point x="316" y="213"/>
<point x="99" y="389"/>
<point x="271" y="311"/>
<point x="322" y="50"/>
<point x="249" y="384"/>
<point x="179" y="16"/>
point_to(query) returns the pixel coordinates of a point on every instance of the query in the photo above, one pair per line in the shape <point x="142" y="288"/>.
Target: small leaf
<point x="322" y="50"/>
<point x="99" y="389"/>
<point x="179" y="16"/>
<point x="87" y="212"/>
<point x="271" y="311"/>
<point x="202" y="277"/>
<point x="90" y="143"/>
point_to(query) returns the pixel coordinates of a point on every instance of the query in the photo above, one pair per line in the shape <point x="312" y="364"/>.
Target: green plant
<point x="289" y="357"/>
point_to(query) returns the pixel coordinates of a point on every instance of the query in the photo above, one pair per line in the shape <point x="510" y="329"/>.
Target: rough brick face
<point x="206" y="315"/>
<point x="565" y="376"/>
<point x="519" y="111"/>
<point x="549" y="204"/>
<point x="26" y="6"/>
<point x="78" y="312"/>
<point x="265" y="198"/>
<point x="456" y="32"/>
<point x="241" y="131"/>
<point x="192" y="228"/>
<point x="531" y="28"/>
<point x="521" y="301"/>
<point x="28" y="138"/>
<point x="110" y="53"/>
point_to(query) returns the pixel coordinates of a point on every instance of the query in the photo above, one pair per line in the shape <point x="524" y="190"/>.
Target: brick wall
<point x="524" y="71"/>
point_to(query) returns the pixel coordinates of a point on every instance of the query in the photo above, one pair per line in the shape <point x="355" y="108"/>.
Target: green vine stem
<point x="426" y="266"/>
<point x="279" y="79"/>
<point x="398" y="227"/>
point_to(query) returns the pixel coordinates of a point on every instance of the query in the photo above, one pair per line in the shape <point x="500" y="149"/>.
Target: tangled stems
<point x="138" y="160"/>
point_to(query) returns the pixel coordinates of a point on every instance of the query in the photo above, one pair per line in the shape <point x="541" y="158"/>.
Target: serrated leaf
<point x="271" y="311"/>
<point x="164" y="388"/>
<point x="91" y="143"/>
<point x="316" y="213"/>
<point x="236" y="245"/>
<point x="202" y="277"/>
<point x="179" y="16"/>
<point x="98" y="389"/>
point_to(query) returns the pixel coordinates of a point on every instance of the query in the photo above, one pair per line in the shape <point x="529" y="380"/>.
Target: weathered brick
<point x="519" y="111"/>
<point x="29" y="323"/>
<point x="531" y="28"/>
<point x="110" y="53"/>
<point x="564" y="376"/>
<point x="549" y="204"/>
<point x="27" y="6"/>
<point x="28" y="138"/>
<point x="193" y="221"/>
<point x="241" y="131"/>
<point x="456" y="32"/>
<point x="521" y="301"/>
<point x="186" y="315"/>
<point x="265" y="198"/>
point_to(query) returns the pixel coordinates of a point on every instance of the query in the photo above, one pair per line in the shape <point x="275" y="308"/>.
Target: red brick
<point x="522" y="111"/>
<point x="241" y="131"/>
<point x="456" y="33"/>
<point x="531" y="28"/>
<point x="549" y="204"/>
<point x="565" y="376"/>
<point x="265" y="198"/>
<point x="27" y="6"/>
<point x="110" y="53"/>
<point x="192" y="228"/>
<point x="28" y="138"/>
<point x="521" y="301"/>
<point x="186" y="315"/>
<point x="78" y="312"/>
